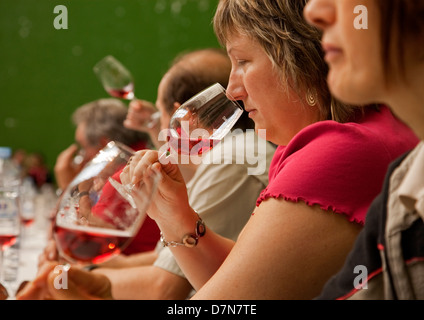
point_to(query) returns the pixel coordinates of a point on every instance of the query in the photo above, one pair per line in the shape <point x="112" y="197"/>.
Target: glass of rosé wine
<point x="119" y="82"/>
<point x="94" y="221"/>
<point x="197" y="126"/>
<point x="203" y="121"/>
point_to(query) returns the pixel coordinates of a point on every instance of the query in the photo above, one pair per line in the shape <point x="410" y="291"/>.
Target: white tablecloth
<point x="20" y="262"/>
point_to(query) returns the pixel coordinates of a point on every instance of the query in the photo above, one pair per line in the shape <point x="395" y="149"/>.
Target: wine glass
<point x="197" y="126"/>
<point x="94" y="222"/>
<point x="119" y="83"/>
<point x="9" y="220"/>
<point x="27" y="208"/>
<point x="203" y="121"/>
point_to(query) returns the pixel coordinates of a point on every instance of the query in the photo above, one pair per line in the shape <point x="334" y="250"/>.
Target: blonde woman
<point x="329" y="165"/>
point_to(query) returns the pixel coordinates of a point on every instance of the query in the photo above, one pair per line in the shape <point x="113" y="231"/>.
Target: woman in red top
<point x="329" y="165"/>
<point x="323" y="177"/>
<point x="324" y="174"/>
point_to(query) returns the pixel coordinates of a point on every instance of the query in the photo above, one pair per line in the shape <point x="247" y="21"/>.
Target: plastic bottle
<point x="9" y="172"/>
<point x="10" y="183"/>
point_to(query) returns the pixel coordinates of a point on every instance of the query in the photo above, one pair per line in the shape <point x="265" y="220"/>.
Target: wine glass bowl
<point x="196" y="127"/>
<point x="115" y="78"/>
<point x="202" y="121"/>
<point x="118" y="81"/>
<point x="94" y="221"/>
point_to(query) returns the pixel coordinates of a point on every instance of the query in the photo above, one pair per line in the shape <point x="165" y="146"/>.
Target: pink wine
<point x="7" y="240"/>
<point x="93" y="245"/>
<point x="27" y="221"/>
<point x="123" y="93"/>
<point x="192" y="146"/>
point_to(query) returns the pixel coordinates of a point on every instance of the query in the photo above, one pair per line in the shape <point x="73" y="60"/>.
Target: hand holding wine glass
<point x="119" y="83"/>
<point x="140" y="111"/>
<point x="196" y="127"/>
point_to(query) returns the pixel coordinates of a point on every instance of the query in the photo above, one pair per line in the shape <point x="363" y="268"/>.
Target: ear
<point x="176" y="105"/>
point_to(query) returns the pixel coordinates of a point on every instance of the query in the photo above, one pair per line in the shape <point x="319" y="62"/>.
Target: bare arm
<point x="64" y="168"/>
<point x="200" y="263"/>
<point x="146" y="282"/>
<point x="136" y="259"/>
<point x="300" y="246"/>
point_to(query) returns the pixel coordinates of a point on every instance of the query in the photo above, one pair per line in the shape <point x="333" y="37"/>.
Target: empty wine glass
<point x="94" y="222"/>
<point x="119" y="82"/>
<point x="197" y="126"/>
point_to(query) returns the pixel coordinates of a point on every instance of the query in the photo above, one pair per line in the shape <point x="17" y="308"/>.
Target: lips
<point x="332" y="52"/>
<point x="251" y="112"/>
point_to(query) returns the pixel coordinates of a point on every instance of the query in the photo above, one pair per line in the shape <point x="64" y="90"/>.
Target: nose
<point x="235" y="89"/>
<point x="320" y="13"/>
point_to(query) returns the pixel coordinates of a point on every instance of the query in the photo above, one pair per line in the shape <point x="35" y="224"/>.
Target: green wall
<point x="46" y="73"/>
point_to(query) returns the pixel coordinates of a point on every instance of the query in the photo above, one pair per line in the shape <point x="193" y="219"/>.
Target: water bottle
<point x="9" y="172"/>
<point x="10" y="183"/>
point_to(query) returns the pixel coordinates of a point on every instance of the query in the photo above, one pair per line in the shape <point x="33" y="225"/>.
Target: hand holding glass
<point x="197" y="126"/>
<point x="94" y="222"/>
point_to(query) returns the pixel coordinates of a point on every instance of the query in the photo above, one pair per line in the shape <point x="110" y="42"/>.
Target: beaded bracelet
<point x="189" y="240"/>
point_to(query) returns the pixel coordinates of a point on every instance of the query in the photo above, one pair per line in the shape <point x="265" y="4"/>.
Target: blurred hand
<point x="49" y="253"/>
<point x="81" y="285"/>
<point x="138" y="117"/>
<point x="65" y="169"/>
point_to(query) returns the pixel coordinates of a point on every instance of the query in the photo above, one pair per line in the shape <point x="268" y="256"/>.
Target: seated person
<point x="212" y="188"/>
<point x="97" y="123"/>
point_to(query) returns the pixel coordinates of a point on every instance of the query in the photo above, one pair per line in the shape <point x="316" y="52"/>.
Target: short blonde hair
<point x="292" y="45"/>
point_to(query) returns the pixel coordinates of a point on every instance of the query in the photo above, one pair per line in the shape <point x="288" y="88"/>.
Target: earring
<point x="311" y="97"/>
<point x="332" y="111"/>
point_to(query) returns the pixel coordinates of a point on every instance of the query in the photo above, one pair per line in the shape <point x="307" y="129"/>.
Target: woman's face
<point x="254" y="81"/>
<point x="353" y="54"/>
